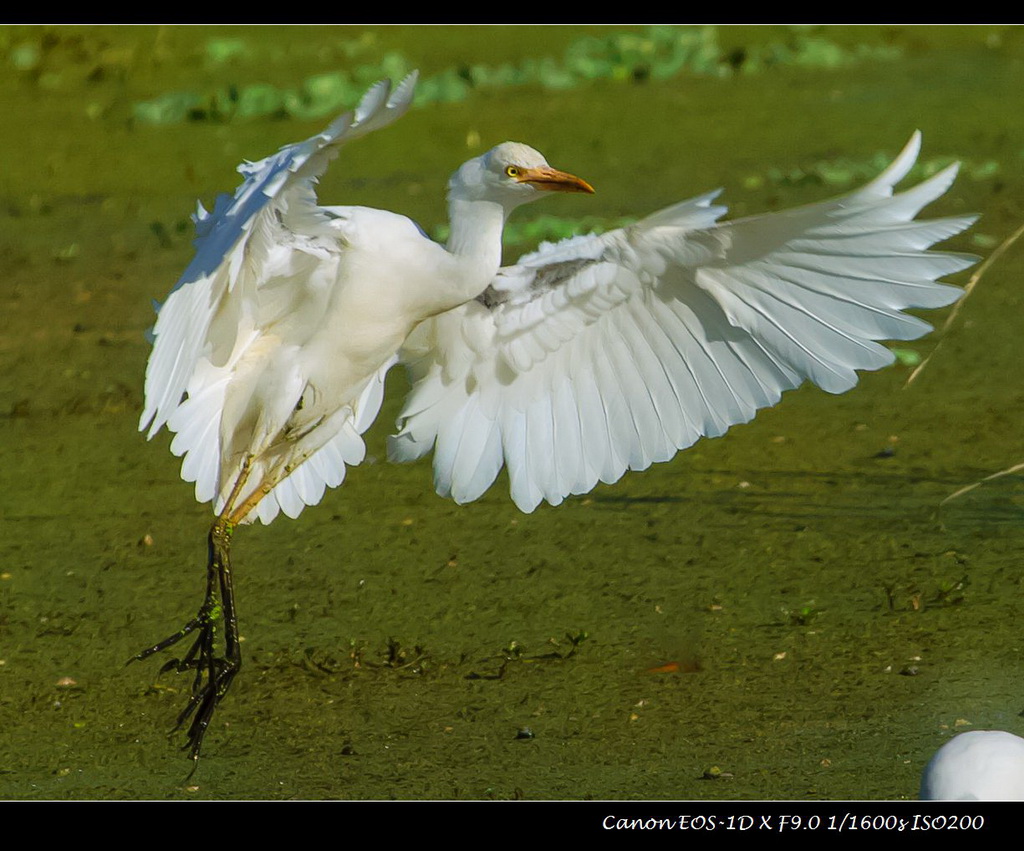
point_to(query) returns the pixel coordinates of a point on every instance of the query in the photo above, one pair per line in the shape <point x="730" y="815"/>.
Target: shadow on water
<point x="796" y="493"/>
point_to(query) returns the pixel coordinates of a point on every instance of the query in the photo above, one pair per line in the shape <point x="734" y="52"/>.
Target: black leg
<point x="213" y="673"/>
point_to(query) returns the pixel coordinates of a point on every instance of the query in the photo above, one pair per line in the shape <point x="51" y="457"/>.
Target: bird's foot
<point x="215" y="622"/>
<point x="214" y="672"/>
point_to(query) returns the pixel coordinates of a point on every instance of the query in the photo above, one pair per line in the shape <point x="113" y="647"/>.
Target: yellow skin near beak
<point x="553" y="180"/>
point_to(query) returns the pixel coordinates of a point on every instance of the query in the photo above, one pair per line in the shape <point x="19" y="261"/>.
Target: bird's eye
<point x="512" y="171"/>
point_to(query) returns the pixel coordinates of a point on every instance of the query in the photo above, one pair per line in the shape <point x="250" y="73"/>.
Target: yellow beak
<point x="553" y="180"/>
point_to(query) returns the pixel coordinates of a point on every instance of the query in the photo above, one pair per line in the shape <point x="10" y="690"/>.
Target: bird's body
<point x="310" y="369"/>
<point x="585" y="359"/>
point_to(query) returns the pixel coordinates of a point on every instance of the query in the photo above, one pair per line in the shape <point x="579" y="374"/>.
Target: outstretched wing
<point x="262" y="254"/>
<point x="603" y="354"/>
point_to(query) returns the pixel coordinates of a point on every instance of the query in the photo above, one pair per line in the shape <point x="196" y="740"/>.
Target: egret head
<point x="511" y="174"/>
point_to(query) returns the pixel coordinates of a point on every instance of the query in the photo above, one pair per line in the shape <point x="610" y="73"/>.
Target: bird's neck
<point x="475" y="242"/>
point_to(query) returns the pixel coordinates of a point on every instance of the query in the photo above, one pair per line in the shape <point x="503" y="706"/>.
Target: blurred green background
<point x="783" y="613"/>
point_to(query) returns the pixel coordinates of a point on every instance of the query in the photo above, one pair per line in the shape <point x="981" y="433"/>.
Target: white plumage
<point x="982" y="765"/>
<point x="587" y="358"/>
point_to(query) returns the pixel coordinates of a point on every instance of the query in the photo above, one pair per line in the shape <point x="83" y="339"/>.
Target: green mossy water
<point x="820" y="623"/>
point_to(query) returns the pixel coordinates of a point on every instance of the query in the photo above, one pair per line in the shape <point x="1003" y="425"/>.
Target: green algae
<point x="657" y="53"/>
<point x="787" y="603"/>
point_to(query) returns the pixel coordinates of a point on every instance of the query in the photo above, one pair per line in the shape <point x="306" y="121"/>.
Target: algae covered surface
<point x="786" y="612"/>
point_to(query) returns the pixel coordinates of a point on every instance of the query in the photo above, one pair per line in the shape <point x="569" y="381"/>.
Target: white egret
<point x="587" y="358"/>
<point x="982" y="765"/>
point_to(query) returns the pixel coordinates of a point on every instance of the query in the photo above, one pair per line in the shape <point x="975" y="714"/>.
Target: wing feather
<point x="606" y="353"/>
<point x="242" y="230"/>
<point x="263" y="254"/>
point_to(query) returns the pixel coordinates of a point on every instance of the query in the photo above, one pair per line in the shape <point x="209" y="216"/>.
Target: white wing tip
<point x="405" y="89"/>
<point x="376" y="96"/>
<point x="898" y="168"/>
<point x="379" y="106"/>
